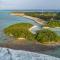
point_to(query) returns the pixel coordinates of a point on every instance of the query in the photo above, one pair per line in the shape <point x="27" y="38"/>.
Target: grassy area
<point x="53" y="24"/>
<point x="21" y="30"/>
<point x="46" y="36"/>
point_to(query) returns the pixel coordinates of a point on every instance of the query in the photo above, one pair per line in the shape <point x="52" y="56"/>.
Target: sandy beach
<point x="38" y="20"/>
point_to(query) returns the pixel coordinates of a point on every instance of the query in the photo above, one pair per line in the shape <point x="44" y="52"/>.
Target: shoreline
<point x="30" y="44"/>
<point x="37" y="20"/>
<point x="33" y="47"/>
<point x="50" y="27"/>
<point x="30" y="29"/>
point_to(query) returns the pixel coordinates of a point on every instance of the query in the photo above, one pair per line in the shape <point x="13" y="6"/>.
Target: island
<point x="20" y="31"/>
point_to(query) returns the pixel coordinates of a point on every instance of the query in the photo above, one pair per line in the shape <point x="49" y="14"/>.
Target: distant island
<point x="52" y="18"/>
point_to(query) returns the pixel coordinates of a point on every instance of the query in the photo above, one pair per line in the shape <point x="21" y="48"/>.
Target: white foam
<point x="10" y="54"/>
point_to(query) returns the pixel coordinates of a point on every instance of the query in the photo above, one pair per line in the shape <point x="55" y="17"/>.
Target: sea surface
<point x="6" y="19"/>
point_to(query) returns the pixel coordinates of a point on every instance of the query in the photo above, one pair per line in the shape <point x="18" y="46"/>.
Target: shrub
<point x="46" y="36"/>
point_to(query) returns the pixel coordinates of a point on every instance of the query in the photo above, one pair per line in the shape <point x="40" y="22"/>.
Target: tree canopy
<point x="46" y="36"/>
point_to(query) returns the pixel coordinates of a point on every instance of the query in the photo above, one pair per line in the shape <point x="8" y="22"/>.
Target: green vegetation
<point x="42" y="36"/>
<point x="43" y="15"/>
<point x="21" y="30"/>
<point x="53" y="23"/>
<point x="46" y="36"/>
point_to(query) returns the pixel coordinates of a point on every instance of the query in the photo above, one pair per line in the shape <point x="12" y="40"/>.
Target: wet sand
<point x="28" y="46"/>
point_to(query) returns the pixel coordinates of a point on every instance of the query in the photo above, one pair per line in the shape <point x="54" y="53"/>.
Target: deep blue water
<point x="6" y="19"/>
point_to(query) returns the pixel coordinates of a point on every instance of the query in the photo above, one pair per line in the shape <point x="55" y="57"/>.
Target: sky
<point x="29" y="4"/>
